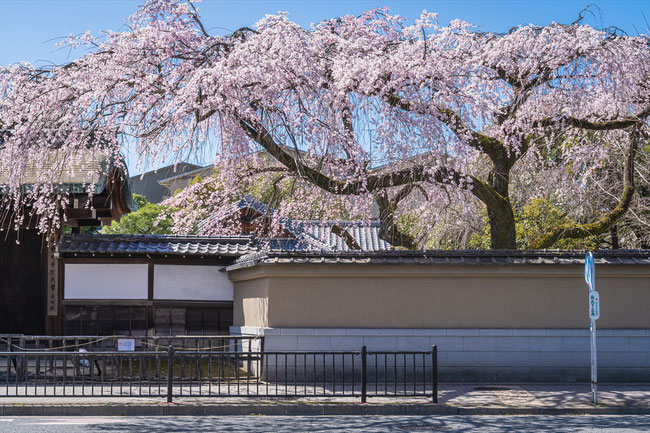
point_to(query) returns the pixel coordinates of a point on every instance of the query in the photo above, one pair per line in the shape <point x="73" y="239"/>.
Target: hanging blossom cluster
<point x="211" y="205"/>
<point x="419" y="118"/>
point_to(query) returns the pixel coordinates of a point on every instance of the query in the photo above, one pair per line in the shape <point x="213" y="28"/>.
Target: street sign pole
<point x="594" y="314"/>
<point x="594" y="364"/>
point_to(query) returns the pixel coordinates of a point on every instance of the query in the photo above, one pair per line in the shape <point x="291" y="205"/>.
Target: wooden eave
<point x="108" y="205"/>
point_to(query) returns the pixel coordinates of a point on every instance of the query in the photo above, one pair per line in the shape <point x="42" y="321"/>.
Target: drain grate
<point x="492" y="388"/>
<point x="425" y="427"/>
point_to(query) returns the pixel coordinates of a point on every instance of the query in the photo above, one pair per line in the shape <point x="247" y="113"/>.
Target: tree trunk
<point x="502" y="229"/>
<point x="614" y="232"/>
<point x="388" y="229"/>
<point x="501" y="216"/>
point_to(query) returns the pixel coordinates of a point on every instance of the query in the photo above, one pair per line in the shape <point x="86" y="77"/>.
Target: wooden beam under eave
<point x="98" y="202"/>
<point x="73" y="213"/>
<point x="72" y="223"/>
<point x="90" y="223"/>
<point x="104" y="213"/>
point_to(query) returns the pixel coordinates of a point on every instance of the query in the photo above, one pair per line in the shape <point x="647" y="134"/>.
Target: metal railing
<point x="182" y="373"/>
<point x="90" y="343"/>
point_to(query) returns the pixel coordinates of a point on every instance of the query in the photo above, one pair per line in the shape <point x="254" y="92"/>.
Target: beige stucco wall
<point x="251" y="303"/>
<point x="437" y="296"/>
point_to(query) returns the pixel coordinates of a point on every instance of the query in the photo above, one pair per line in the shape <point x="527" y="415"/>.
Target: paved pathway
<point x="531" y="396"/>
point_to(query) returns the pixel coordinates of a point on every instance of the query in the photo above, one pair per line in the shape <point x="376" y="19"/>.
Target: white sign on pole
<point x="125" y="344"/>
<point x="594" y="305"/>
<point x="594" y="314"/>
<point x="590" y="271"/>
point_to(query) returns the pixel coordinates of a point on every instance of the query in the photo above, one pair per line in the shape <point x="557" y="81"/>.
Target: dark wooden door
<point x="22" y="301"/>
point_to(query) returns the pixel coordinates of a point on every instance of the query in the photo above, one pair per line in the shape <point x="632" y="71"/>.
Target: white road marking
<point x="77" y="421"/>
<point x="7" y="420"/>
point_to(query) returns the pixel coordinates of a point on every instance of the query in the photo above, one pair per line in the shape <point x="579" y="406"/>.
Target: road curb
<point x="301" y="409"/>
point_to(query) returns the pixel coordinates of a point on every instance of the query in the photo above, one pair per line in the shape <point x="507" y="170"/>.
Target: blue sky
<point x="30" y="28"/>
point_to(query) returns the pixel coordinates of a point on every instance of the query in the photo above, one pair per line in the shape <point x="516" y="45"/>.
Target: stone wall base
<point x="486" y="355"/>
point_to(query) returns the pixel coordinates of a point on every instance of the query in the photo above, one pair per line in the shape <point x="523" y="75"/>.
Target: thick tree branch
<point x="346" y="236"/>
<point x="488" y="145"/>
<point x="607" y="125"/>
<point x="374" y="182"/>
<point x="580" y="231"/>
<point x="388" y="229"/>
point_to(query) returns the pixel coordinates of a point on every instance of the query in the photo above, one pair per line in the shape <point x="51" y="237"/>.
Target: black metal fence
<point x="197" y="373"/>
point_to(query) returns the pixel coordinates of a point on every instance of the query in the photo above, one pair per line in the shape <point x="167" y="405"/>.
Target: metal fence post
<point x="248" y="358"/>
<point x="170" y="373"/>
<point x="261" y="350"/>
<point x="364" y="373"/>
<point x="434" y="372"/>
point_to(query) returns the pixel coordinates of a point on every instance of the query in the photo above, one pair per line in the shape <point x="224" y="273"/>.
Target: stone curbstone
<point x="306" y="410"/>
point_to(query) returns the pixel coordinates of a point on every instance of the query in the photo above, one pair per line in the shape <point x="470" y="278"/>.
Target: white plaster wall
<point x="195" y="283"/>
<point x="106" y="281"/>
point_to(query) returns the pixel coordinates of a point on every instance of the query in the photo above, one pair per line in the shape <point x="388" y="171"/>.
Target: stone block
<point x="450" y="374"/>
<point x="630" y="332"/>
<point x="495" y="332"/>
<point x="463" y="359"/>
<point x="396" y="332"/>
<point x="515" y="374"/>
<point x="297" y="331"/>
<point x="639" y="344"/>
<point x="547" y="374"/>
<point x="330" y="331"/>
<point x="576" y="359"/>
<point x="442" y="359"/>
<point x="529" y="332"/>
<point x="363" y="331"/>
<point x="472" y="374"/>
<point x="307" y="342"/>
<point x="430" y="332"/>
<point x="550" y="359"/>
<point x="622" y="359"/>
<point x="612" y="344"/>
<point x="577" y="375"/>
<point x="280" y="342"/>
<point x="346" y="343"/>
<point x="613" y="375"/>
<point x="522" y="359"/>
<point x="414" y="344"/>
<point x="380" y="343"/>
<point x="512" y="344"/>
<point x="472" y="344"/>
<point x="495" y="359"/>
<point x="567" y="332"/>
<point x="456" y="332"/>
<point x="579" y="344"/>
<point x="545" y="344"/>
<point x="640" y="375"/>
<point x="447" y="343"/>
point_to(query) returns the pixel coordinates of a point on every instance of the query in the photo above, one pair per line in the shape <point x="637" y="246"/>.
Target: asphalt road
<point x="278" y="424"/>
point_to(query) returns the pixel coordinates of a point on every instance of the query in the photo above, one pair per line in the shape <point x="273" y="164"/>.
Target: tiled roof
<point x="364" y="234"/>
<point x="315" y="235"/>
<point x="445" y="257"/>
<point x="73" y="173"/>
<point x="156" y="245"/>
<point x="82" y="168"/>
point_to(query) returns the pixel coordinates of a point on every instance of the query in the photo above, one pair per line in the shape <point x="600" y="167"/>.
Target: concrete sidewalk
<point x="452" y="399"/>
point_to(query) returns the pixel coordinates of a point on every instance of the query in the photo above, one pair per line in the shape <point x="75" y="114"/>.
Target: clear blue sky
<point x="30" y="28"/>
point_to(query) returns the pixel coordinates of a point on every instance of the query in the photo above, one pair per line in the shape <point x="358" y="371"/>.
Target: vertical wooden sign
<point x="52" y="279"/>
